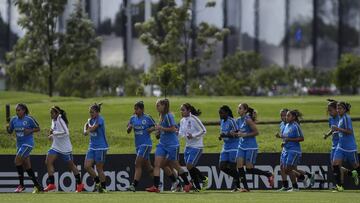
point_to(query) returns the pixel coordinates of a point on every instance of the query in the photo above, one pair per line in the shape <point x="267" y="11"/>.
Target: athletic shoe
<point x="97" y="187"/>
<point x="294" y="190"/>
<point x="355" y="176"/>
<point x="153" y="189"/>
<point x="244" y="190"/>
<point x="271" y="181"/>
<point x="174" y="186"/>
<point x="37" y="190"/>
<point x="79" y="187"/>
<point x="283" y="189"/>
<point x="50" y="187"/>
<point x="305" y="182"/>
<point x="235" y="190"/>
<point x="179" y="188"/>
<point x="131" y="188"/>
<point x="196" y="190"/>
<point x="312" y="179"/>
<point x="102" y="190"/>
<point x="187" y="187"/>
<point x="19" y="189"/>
<point x="205" y="183"/>
<point x="338" y="188"/>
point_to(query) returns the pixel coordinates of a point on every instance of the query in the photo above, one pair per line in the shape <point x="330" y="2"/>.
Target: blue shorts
<point x="350" y="157"/>
<point x="23" y="151"/>
<point x="64" y="156"/>
<point x="171" y="153"/>
<point x="97" y="155"/>
<point x="290" y="158"/>
<point x="228" y="155"/>
<point x="192" y="155"/>
<point x="248" y="155"/>
<point x="143" y="151"/>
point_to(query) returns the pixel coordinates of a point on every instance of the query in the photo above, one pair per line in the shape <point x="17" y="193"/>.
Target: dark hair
<point x="345" y="105"/>
<point x="192" y="109"/>
<point x="62" y="113"/>
<point x="23" y="107"/>
<point x="139" y="104"/>
<point x="96" y="107"/>
<point x="249" y="111"/>
<point x="227" y="110"/>
<point x="297" y="115"/>
<point x="332" y="103"/>
<point x="165" y="103"/>
<point x="284" y="110"/>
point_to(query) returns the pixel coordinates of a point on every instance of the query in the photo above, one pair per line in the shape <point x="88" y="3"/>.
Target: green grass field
<point x="117" y="111"/>
<point x="208" y="196"/>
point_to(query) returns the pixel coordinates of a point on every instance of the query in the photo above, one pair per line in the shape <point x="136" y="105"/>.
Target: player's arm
<point x="62" y="131"/>
<point x="152" y="125"/>
<point x="254" y="130"/>
<point x="34" y="127"/>
<point x="129" y="127"/>
<point x="201" y="130"/>
<point x="294" y="139"/>
<point x="347" y="131"/>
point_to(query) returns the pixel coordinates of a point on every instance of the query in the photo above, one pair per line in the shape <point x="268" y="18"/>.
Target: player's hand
<point x="150" y="130"/>
<point x="282" y="144"/>
<point x="86" y="132"/>
<point x="325" y="136"/>
<point x="220" y="138"/>
<point x="129" y="128"/>
<point x="189" y="136"/>
<point x="334" y="128"/>
<point x="234" y="134"/>
<point x="157" y="134"/>
<point x="277" y="135"/>
<point x="159" y="127"/>
<point x="28" y="131"/>
<point x="50" y="137"/>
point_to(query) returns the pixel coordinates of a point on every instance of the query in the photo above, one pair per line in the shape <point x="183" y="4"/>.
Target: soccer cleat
<point x="179" y="188"/>
<point x="131" y="188"/>
<point x="102" y="190"/>
<point x="153" y="189"/>
<point x="312" y="179"/>
<point x="50" y="187"/>
<point x="37" y="190"/>
<point x="294" y="190"/>
<point x="355" y="176"/>
<point x="19" y="189"/>
<point x="235" y="190"/>
<point x="338" y="188"/>
<point x="244" y="190"/>
<point x="97" y="187"/>
<point x="79" y="187"/>
<point x="283" y="189"/>
<point x="174" y="186"/>
<point x="205" y="184"/>
<point x="271" y="181"/>
<point x="305" y="182"/>
<point x="187" y="187"/>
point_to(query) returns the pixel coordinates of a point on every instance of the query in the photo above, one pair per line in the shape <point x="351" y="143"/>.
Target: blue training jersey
<point x="334" y="121"/>
<point x="98" y="138"/>
<point x="19" y="125"/>
<point x="226" y="127"/>
<point x="346" y="141"/>
<point x="292" y="130"/>
<point x="141" y="125"/>
<point x="246" y="142"/>
<point x="168" y="138"/>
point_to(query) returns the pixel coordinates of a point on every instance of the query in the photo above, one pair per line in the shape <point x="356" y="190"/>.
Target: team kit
<point x="237" y="157"/>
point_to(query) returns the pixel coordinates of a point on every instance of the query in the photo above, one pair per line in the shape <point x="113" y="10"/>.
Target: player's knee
<point x="223" y="166"/>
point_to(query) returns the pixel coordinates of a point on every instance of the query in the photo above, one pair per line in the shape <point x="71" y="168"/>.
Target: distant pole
<point x="340" y="28"/>
<point x="287" y="32"/>
<point x="8" y="34"/>
<point x="314" y="34"/>
<point x="256" y="26"/>
<point x="128" y="31"/>
<point x="148" y="61"/>
<point x="225" y="22"/>
<point x="124" y="26"/>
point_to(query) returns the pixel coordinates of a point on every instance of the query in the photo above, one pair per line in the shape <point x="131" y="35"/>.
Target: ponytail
<point x="345" y="105"/>
<point x="192" y="109"/>
<point x="297" y="115"/>
<point x="249" y="111"/>
<point x="62" y="113"/>
<point x="96" y="107"/>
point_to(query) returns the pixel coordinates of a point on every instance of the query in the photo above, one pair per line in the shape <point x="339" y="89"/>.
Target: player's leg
<point x="49" y="161"/>
<point x="88" y="165"/>
<point x="337" y="163"/>
<point x="250" y="169"/>
<point x="71" y="165"/>
<point x="31" y="174"/>
<point x="173" y="157"/>
<point x="240" y="163"/>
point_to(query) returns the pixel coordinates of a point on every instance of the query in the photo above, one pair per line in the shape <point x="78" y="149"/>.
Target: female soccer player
<point x="346" y="149"/>
<point x="61" y="147"/>
<point x="231" y="143"/>
<point x="24" y="127"/>
<point x="248" y="148"/>
<point x="291" y="154"/>
<point x="95" y="127"/>
<point x="143" y="125"/>
<point x="168" y="147"/>
<point x="192" y="129"/>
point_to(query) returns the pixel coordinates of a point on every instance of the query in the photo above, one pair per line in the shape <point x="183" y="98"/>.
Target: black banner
<point x="119" y="169"/>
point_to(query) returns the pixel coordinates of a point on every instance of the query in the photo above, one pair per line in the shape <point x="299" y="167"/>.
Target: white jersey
<point x="192" y="125"/>
<point x="61" y="136"/>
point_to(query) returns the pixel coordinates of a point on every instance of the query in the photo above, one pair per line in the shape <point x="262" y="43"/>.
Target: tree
<point x="77" y="57"/>
<point x="347" y="74"/>
<point x="31" y="64"/>
<point x="171" y="36"/>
